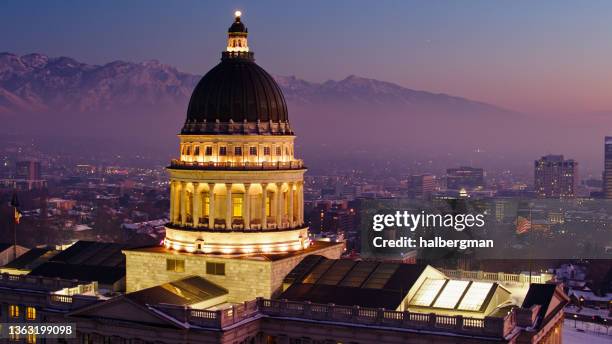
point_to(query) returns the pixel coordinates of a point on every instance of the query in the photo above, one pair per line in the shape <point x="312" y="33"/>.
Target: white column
<point x="172" y="202"/>
<point x="246" y="206"/>
<point x="290" y="205"/>
<point x="300" y="200"/>
<point x="228" y="205"/>
<point x="211" y="205"/>
<point x="279" y="207"/>
<point x="183" y="203"/>
<point x="196" y="205"/>
<point x="264" y="222"/>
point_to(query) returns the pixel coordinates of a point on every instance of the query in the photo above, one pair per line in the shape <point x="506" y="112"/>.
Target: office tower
<point x="421" y="185"/>
<point x="607" y="174"/>
<point x="555" y="177"/>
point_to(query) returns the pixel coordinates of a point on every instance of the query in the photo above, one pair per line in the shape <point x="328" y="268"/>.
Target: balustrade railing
<point x="238" y="165"/>
<point x="489" y="326"/>
<point x="497" y="276"/>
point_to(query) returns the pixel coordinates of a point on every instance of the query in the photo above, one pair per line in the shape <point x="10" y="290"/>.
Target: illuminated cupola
<point x="237" y="187"/>
<point x="237" y="36"/>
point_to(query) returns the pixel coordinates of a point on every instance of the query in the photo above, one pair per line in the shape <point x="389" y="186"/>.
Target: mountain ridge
<point x="37" y="82"/>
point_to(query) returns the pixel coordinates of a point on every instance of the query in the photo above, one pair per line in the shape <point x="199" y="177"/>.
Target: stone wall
<point x="245" y="278"/>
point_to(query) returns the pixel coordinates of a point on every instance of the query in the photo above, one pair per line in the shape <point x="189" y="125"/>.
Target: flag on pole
<point x="17" y="216"/>
<point x="15" y="205"/>
<point x="523" y="225"/>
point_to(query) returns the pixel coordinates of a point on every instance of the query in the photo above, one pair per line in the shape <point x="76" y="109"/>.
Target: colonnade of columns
<point x="237" y="205"/>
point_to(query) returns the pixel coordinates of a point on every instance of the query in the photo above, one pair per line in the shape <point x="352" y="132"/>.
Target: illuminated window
<point x="450" y="295"/>
<point x="286" y="150"/>
<point x="208" y="150"/>
<point x="176" y="265"/>
<point x="267" y="151"/>
<point x="252" y="150"/>
<point x="215" y="268"/>
<point x="206" y="204"/>
<point x="268" y="206"/>
<point x="188" y="151"/>
<point x="30" y="313"/>
<point x="237" y="205"/>
<point x="14" y="311"/>
<point x="31" y="338"/>
<point x="278" y="151"/>
<point x="197" y="150"/>
<point x="189" y="204"/>
<point x="427" y="292"/>
<point x="475" y="296"/>
<point x="223" y="151"/>
<point x="238" y="151"/>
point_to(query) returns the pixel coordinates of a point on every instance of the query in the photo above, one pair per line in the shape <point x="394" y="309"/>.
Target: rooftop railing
<point x="38" y="282"/>
<point x="233" y="165"/>
<point x="497" y="276"/>
<point x="488" y="326"/>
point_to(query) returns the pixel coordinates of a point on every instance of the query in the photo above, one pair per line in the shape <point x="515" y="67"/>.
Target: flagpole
<point x="530" y="247"/>
<point x="16" y="215"/>
<point x="14" y="234"/>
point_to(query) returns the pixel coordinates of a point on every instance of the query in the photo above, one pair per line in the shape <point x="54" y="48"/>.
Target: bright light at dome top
<point x="237" y="14"/>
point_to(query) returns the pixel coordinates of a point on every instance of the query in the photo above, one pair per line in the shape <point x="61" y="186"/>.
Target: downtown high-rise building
<point x="607" y="174"/>
<point x="422" y="185"/>
<point x="555" y="177"/>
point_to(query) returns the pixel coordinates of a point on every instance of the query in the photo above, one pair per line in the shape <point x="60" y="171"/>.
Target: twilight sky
<point x="533" y="56"/>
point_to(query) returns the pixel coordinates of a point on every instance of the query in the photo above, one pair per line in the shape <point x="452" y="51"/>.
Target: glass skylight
<point x="475" y="296"/>
<point x="427" y="292"/>
<point x="450" y="295"/>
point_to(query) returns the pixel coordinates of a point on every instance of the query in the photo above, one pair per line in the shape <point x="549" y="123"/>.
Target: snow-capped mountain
<point x="37" y="82"/>
<point x="145" y="104"/>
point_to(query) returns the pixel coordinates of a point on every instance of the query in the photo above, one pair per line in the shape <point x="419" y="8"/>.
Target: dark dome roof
<point x="237" y="27"/>
<point x="234" y="97"/>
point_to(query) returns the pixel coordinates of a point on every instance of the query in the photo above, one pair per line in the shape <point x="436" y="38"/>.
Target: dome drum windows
<point x="234" y="152"/>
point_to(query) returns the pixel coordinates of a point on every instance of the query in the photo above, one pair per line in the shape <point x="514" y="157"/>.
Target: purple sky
<point x="544" y="56"/>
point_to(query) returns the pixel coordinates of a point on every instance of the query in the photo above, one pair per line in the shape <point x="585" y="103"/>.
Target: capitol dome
<point x="237" y="96"/>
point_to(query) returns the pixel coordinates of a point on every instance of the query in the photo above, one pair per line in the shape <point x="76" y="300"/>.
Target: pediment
<point x="123" y="309"/>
